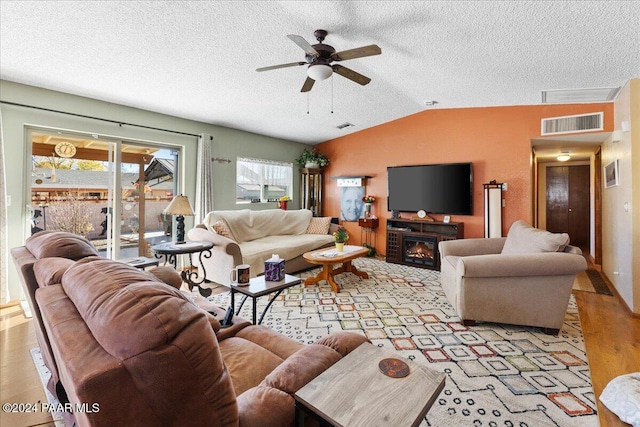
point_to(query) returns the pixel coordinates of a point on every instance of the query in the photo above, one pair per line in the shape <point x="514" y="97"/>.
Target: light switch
<point x="626" y="206"/>
<point x="504" y="186"/>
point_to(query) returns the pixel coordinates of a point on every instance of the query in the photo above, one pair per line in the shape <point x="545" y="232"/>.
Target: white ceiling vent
<point x="573" y="124"/>
<point x="568" y="96"/>
<point x="345" y="125"/>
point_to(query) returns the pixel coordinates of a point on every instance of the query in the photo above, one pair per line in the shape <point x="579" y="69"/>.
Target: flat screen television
<point x="439" y="189"/>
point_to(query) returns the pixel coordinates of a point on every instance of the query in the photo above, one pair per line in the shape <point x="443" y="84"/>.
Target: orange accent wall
<point x="497" y="140"/>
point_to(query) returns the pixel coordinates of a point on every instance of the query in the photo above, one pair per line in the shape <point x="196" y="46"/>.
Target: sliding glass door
<point x="110" y="192"/>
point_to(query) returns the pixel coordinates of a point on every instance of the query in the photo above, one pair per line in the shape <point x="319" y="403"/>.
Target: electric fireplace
<point x="420" y="250"/>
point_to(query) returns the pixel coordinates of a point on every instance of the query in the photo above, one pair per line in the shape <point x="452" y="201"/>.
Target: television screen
<point x="440" y="189"/>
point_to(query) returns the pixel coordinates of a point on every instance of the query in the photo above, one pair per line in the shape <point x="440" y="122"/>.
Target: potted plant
<point x="310" y="158"/>
<point x="283" y="202"/>
<point x="340" y="236"/>
<point x="368" y="200"/>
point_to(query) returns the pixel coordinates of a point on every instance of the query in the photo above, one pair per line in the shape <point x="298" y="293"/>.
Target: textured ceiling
<point x="197" y="60"/>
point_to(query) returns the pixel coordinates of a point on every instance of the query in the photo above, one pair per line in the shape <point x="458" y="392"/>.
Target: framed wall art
<point x="611" y="175"/>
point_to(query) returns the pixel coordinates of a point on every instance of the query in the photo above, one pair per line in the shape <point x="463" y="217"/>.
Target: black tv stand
<point x="405" y="235"/>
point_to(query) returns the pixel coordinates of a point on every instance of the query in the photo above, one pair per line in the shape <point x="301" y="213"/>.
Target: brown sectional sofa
<point x="146" y="354"/>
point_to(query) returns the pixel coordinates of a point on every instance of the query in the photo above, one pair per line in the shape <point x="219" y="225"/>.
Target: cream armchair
<point x="523" y="279"/>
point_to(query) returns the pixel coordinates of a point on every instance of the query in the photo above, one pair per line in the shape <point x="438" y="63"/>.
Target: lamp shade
<point x="319" y="72"/>
<point x="179" y="206"/>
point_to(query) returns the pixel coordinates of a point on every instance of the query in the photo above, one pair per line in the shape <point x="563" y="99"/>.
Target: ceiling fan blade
<point x="351" y="75"/>
<point x="308" y="84"/>
<point x="300" y="41"/>
<point x="359" y="52"/>
<point x="275" y="67"/>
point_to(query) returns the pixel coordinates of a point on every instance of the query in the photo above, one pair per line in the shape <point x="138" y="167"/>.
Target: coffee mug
<point x="240" y="274"/>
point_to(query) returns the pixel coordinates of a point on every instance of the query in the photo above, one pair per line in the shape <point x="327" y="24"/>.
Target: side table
<point x="355" y="392"/>
<point x="368" y="227"/>
<point x="141" y="262"/>
<point x="170" y="251"/>
<point x="258" y="287"/>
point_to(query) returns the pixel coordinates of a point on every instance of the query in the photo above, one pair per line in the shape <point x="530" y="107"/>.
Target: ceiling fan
<point x="320" y="56"/>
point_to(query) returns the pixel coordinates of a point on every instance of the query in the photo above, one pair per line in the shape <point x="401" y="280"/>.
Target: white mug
<point x="240" y="274"/>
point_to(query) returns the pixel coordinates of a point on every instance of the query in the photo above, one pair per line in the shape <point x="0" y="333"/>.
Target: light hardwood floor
<point x="612" y="339"/>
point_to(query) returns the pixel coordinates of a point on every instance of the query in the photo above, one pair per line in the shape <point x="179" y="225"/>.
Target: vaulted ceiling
<point x="197" y="60"/>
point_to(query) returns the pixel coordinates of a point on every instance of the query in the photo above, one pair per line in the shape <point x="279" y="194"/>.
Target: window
<point x="261" y="181"/>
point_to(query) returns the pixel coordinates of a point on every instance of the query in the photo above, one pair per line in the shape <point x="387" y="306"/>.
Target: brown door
<point x="568" y="201"/>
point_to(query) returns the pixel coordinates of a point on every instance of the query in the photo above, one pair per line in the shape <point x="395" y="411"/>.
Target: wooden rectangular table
<point x="258" y="287"/>
<point x="354" y="392"/>
<point x="328" y="257"/>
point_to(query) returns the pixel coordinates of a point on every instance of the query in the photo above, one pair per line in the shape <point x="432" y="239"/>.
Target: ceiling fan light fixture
<point x="563" y="157"/>
<point x="319" y="71"/>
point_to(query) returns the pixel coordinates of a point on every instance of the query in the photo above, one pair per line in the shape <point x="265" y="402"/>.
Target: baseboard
<point x="616" y="294"/>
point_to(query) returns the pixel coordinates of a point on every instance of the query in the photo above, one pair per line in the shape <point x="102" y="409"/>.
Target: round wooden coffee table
<point x="328" y="258"/>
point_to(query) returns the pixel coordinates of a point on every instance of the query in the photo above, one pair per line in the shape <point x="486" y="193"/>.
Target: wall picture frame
<point x="351" y="204"/>
<point x="611" y="174"/>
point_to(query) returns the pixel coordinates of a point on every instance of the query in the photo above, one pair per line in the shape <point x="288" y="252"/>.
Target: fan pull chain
<point x="307" y="102"/>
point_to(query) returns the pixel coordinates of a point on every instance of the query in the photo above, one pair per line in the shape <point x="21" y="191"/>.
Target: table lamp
<point x="179" y="206"/>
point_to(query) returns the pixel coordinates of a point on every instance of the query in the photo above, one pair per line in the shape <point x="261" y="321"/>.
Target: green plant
<point x="341" y="235"/>
<point x="312" y="156"/>
<point x="372" y="249"/>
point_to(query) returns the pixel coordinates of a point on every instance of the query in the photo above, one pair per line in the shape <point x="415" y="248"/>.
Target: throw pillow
<point x="622" y="397"/>
<point x="319" y="225"/>
<point x="222" y="228"/>
<point x="525" y="239"/>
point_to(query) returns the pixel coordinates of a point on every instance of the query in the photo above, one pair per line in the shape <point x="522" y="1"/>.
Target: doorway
<point x="111" y="192"/>
<point x="568" y="202"/>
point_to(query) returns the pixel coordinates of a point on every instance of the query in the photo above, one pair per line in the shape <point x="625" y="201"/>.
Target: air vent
<point x="572" y="124"/>
<point x="568" y="96"/>
<point x="345" y="125"/>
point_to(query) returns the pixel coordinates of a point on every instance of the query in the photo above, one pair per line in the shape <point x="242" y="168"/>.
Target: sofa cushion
<point x="49" y="271"/>
<point x="302" y="367"/>
<point x="167" y="275"/>
<point x="287" y="247"/>
<point x="247" y="362"/>
<point x="46" y="244"/>
<point x="525" y="239"/>
<point x="247" y="225"/>
<point x="319" y="225"/>
<point x="221" y="227"/>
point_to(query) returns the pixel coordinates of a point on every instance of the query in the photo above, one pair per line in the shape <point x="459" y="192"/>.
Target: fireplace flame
<point x="419" y="250"/>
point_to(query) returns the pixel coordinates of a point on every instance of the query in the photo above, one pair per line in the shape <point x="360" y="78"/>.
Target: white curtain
<point x="4" y="250"/>
<point x="204" y="178"/>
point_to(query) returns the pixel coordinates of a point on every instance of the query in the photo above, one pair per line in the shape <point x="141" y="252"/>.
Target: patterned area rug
<point x="497" y="375"/>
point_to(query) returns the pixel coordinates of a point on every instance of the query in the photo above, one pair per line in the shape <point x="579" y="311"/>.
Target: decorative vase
<point x="367" y="210"/>
<point x="340" y="246"/>
<point x="311" y="165"/>
<point x="283" y="205"/>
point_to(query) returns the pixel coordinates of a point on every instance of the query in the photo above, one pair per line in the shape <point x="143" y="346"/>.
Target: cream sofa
<point x="523" y="279"/>
<point x="253" y="236"/>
